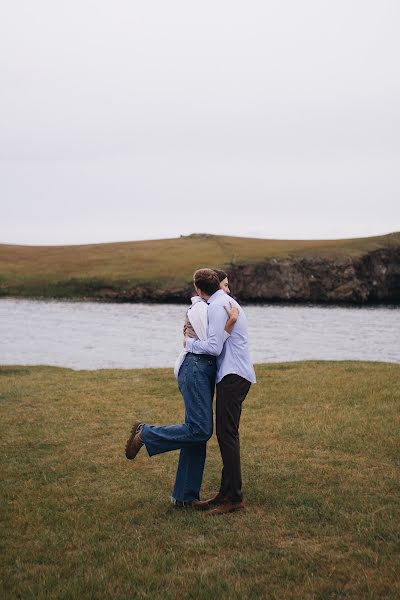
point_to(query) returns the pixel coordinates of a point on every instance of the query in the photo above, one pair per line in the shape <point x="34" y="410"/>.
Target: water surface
<point x="90" y="335"/>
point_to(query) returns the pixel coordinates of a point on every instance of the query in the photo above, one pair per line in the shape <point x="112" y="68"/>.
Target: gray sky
<point x="123" y="120"/>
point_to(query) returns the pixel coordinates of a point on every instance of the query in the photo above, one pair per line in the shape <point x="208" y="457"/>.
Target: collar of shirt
<point x="196" y="299"/>
<point x="214" y="296"/>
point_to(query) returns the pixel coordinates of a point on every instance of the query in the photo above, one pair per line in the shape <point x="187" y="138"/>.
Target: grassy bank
<point x="319" y="452"/>
<point x="86" y="271"/>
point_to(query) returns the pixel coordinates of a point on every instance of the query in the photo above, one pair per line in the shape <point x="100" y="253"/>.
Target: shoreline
<point x="183" y="301"/>
<point x="277" y="364"/>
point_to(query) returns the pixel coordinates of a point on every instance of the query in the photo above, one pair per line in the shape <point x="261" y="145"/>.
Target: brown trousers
<point x="231" y="391"/>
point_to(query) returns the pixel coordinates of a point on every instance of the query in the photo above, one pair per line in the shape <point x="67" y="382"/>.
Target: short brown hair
<point x="206" y="280"/>
<point x="221" y="274"/>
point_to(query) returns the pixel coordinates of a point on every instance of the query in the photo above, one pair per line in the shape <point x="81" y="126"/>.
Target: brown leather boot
<point x="226" y="507"/>
<point x="207" y="504"/>
<point x="134" y="442"/>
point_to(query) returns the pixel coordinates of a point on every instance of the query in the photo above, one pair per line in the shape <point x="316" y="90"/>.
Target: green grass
<point x="81" y="271"/>
<point x="320" y="452"/>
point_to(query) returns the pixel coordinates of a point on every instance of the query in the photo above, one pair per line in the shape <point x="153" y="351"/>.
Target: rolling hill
<point x="348" y="270"/>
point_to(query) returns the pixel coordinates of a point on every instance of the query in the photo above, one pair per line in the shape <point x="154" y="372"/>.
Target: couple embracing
<point x="215" y="352"/>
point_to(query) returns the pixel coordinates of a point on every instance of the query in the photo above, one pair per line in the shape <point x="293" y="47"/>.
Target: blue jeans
<point x="196" y="382"/>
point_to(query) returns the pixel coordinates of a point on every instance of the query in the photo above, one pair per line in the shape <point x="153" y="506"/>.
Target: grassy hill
<point x="320" y="449"/>
<point x="82" y="270"/>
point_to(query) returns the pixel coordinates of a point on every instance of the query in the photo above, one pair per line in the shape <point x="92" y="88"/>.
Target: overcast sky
<point x="123" y="120"/>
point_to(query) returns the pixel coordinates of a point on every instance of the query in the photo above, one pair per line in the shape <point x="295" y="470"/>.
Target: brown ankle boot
<point x="134" y="442"/>
<point x="226" y="507"/>
<point x="207" y="504"/>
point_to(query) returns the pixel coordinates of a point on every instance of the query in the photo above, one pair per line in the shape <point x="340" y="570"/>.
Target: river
<point x="91" y="335"/>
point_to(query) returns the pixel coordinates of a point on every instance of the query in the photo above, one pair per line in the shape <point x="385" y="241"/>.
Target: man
<point x="235" y="374"/>
<point x="196" y="380"/>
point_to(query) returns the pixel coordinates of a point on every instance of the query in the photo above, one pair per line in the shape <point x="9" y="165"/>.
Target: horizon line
<point x="200" y="235"/>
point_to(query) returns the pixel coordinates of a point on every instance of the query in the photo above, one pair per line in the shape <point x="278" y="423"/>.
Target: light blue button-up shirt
<point x="232" y="357"/>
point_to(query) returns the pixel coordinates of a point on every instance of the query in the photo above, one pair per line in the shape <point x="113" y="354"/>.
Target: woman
<point x="195" y="325"/>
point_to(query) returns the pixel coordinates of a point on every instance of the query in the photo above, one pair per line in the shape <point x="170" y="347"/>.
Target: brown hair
<point x="206" y="280"/>
<point x="221" y="274"/>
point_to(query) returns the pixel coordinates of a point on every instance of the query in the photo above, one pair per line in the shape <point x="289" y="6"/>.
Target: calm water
<point x="88" y="335"/>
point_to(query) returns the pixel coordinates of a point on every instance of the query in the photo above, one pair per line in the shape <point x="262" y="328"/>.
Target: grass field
<point x="320" y="447"/>
<point x="76" y="271"/>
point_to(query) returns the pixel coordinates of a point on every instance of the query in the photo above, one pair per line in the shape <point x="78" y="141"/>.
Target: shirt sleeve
<point x="214" y="343"/>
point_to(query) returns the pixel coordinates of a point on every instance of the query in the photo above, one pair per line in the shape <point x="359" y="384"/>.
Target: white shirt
<point x="197" y="315"/>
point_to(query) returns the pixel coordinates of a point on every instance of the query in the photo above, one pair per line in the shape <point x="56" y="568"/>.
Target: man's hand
<point x="188" y="330"/>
